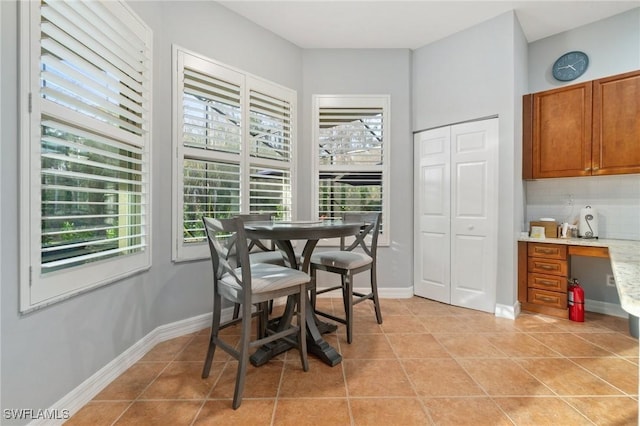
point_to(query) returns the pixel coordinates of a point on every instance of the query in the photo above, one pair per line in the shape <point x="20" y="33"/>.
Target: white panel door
<point x="432" y="214"/>
<point x="474" y="213"/>
<point x="456" y="209"/>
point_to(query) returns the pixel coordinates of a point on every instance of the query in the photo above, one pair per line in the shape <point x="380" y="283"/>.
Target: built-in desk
<point x="544" y="265"/>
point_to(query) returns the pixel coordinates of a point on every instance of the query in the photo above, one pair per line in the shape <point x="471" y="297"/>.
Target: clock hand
<point x="570" y="66"/>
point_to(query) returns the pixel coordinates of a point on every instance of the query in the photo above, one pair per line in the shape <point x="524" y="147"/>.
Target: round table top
<point x="301" y="230"/>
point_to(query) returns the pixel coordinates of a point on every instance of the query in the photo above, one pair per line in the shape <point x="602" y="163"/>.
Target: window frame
<point x="182" y="252"/>
<point x="354" y="101"/>
<point x="38" y="290"/>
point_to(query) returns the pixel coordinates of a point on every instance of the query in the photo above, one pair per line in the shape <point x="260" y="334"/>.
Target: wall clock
<point x="570" y="66"/>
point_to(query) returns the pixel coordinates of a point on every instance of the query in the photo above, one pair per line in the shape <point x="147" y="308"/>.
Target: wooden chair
<point x="248" y="285"/>
<point x="347" y="263"/>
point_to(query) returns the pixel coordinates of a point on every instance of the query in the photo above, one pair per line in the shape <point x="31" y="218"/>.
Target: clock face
<point x="570" y="66"/>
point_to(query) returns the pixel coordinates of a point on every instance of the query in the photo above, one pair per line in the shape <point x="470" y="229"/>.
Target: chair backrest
<point x="227" y="241"/>
<point x="370" y="226"/>
<point x="258" y="217"/>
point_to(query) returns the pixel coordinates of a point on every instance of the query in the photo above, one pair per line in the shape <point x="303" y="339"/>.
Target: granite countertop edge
<point x="625" y="264"/>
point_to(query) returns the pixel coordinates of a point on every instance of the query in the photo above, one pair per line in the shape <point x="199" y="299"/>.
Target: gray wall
<point x="379" y="72"/>
<point x="613" y="46"/>
<point x="469" y="75"/>
<point x="48" y="353"/>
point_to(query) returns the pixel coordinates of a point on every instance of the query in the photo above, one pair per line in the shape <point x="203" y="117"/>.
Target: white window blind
<point x="235" y="148"/>
<point x="352" y="154"/>
<point x="87" y="147"/>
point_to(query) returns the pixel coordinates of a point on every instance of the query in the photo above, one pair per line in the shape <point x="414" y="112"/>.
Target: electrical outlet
<point x="570" y="200"/>
<point x="611" y="282"/>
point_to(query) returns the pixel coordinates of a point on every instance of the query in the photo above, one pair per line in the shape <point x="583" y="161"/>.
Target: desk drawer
<point x="548" y="282"/>
<point x="547" y="298"/>
<point x="547" y="266"/>
<point x="551" y="251"/>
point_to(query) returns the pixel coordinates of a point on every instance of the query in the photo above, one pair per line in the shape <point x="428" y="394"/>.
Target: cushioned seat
<point x="347" y="263"/>
<point x="249" y="285"/>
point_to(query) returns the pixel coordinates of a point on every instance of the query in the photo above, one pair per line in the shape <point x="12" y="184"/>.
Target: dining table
<point x="283" y="234"/>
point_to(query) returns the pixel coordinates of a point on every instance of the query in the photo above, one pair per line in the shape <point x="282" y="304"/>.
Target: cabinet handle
<point x="586" y="169"/>
<point x="547" y="283"/>
<point x="547" y="251"/>
<point x="547" y="299"/>
<point x="596" y="168"/>
<point x="547" y="267"/>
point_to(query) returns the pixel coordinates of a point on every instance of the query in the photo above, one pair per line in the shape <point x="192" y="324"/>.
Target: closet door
<point x="474" y="214"/>
<point x="432" y="189"/>
<point x="456" y="210"/>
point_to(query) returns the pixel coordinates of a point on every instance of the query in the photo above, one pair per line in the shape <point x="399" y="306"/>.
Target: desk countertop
<point x="625" y="264"/>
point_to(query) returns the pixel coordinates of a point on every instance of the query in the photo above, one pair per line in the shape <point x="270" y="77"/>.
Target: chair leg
<point x="347" y="286"/>
<point x="243" y="360"/>
<point x="215" y="328"/>
<point x="236" y="311"/>
<point x="302" y="335"/>
<point x="263" y="320"/>
<point x="312" y="286"/>
<point x="374" y="290"/>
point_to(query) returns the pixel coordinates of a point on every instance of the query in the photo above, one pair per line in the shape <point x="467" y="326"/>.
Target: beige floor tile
<point x="98" y="413"/>
<point x="566" y="378"/>
<point x="260" y="382"/>
<point x="311" y="412"/>
<point x="255" y="412"/>
<point x="366" y="346"/>
<point x="463" y="345"/>
<point x="536" y="322"/>
<point x="520" y="345"/>
<point x="541" y="411"/>
<point x="408" y="346"/>
<point x="160" y="413"/>
<point x="440" y="377"/>
<point x="607" y="410"/>
<point x="470" y="411"/>
<point x="617" y="343"/>
<point x="320" y="381"/>
<point x="196" y="350"/>
<point x="376" y="378"/>
<point x="568" y="344"/>
<point x="503" y="377"/>
<point x="425" y="307"/>
<point x="617" y="371"/>
<point x="388" y="411"/>
<point x="130" y="384"/>
<point x="390" y="307"/>
<point x="181" y="380"/>
<point x="402" y="324"/>
<point x="167" y="350"/>
<point x="445" y="324"/>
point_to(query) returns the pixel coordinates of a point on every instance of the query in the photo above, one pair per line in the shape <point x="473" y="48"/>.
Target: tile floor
<point x="428" y="363"/>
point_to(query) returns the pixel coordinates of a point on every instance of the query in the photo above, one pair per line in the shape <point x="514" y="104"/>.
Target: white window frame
<point x="36" y="288"/>
<point x="182" y="251"/>
<point x="355" y="101"/>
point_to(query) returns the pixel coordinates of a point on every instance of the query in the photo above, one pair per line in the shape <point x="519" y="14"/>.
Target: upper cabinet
<point x="585" y="129"/>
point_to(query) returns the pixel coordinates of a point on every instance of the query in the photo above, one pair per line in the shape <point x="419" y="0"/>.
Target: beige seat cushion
<point x="341" y="259"/>
<point x="266" y="277"/>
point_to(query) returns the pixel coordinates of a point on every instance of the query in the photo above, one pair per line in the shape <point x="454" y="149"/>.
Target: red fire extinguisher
<point x="576" y="301"/>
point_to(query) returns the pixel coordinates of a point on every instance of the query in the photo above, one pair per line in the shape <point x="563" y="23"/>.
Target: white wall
<point x="380" y="72"/>
<point x="469" y="75"/>
<point x="613" y="46"/>
<point x="47" y="353"/>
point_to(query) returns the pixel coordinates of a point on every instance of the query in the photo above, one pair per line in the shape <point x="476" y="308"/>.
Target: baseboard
<point x="507" y="311"/>
<point x="605" y="308"/>
<point x="87" y="390"/>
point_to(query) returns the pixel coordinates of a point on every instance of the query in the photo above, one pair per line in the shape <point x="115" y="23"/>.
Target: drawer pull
<point x="547" y="283"/>
<point x="547" y="267"/>
<point x="546" y="299"/>
<point x="547" y="251"/>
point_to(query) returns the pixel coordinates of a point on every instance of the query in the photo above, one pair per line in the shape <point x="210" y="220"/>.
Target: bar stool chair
<point x="347" y="262"/>
<point x="249" y="285"/>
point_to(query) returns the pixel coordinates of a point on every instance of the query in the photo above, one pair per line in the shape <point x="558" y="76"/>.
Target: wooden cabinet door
<point x="616" y="124"/>
<point x="561" y="136"/>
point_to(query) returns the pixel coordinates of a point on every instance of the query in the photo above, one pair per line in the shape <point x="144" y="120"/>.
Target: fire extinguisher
<point x="576" y="301"/>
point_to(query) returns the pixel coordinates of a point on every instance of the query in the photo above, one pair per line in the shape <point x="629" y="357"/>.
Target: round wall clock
<point x="570" y="66"/>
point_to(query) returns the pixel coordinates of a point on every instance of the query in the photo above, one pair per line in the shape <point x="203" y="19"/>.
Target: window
<point x="234" y="138"/>
<point x="84" y="147"/>
<point x="352" y="155"/>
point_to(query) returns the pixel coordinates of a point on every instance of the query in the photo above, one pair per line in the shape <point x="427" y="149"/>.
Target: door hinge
<point x="30" y="275"/>
<point x="30" y="103"/>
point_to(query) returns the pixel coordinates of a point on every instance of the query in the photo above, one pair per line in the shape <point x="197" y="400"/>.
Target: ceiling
<point x="412" y="24"/>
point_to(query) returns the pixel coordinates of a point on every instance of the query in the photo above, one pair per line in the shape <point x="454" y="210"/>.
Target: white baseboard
<point x="507" y="311"/>
<point x="87" y="390"/>
<point x="605" y="308"/>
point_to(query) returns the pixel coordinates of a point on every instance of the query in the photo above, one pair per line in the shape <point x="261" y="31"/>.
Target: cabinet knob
<point x="596" y="168"/>
<point x="586" y="169"/>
